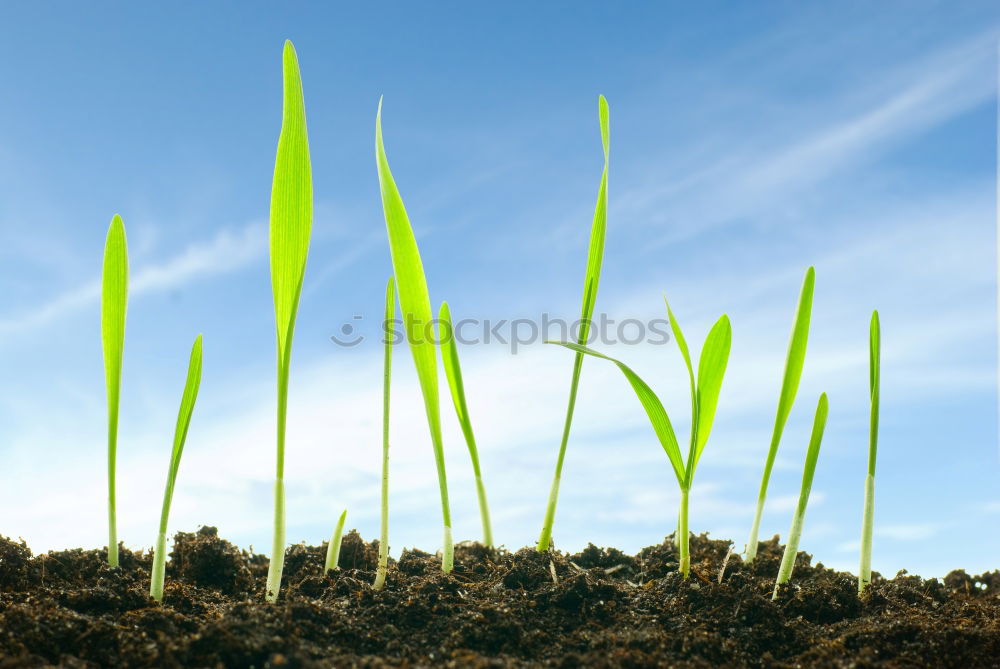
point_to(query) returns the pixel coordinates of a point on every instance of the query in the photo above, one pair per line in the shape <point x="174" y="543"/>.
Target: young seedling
<point x="874" y="374"/>
<point x="789" y="387"/>
<point x="595" y="255"/>
<point x="415" y="305"/>
<point x="291" y="225"/>
<point x="452" y="369"/>
<point x="704" y="400"/>
<point x="333" y="549"/>
<point x="390" y="336"/>
<point x="795" y="533"/>
<point x="180" y="436"/>
<point x="114" y="303"/>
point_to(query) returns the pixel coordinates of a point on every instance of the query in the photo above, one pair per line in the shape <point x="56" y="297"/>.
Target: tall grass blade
<point x="415" y="305"/>
<point x="795" y="533"/>
<point x="333" y="548"/>
<point x="290" y="230"/>
<point x="711" y="368"/>
<point x="190" y="396"/>
<point x="453" y="370"/>
<point x="390" y="335"/>
<point x="114" y="303"/>
<point x="868" y="519"/>
<point x="595" y="254"/>
<point x="794" y="361"/>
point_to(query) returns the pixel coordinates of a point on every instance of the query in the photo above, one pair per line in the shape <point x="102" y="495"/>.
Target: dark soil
<point x="497" y="609"/>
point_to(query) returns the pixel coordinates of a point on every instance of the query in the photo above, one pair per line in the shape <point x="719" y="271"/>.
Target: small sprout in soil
<point x="180" y="436"/>
<point x="291" y="225"/>
<point x="789" y="387"/>
<point x="333" y="549"/>
<point x="874" y="374"/>
<point x="452" y="369"/>
<point x="415" y="305"/>
<point x="704" y="399"/>
<point x="595" y="255"/>
<point x="795" y="533"/>
<point x="114" y="303"/>
<point x="390" y="336"/>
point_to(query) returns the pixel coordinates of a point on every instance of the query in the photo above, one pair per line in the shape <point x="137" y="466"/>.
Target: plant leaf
<point x="291" y="205"/>
<point x="415" y="305"/>
<point x="675" y="328"/>
<point x="188" y="399"/>
<point x="874" y="381"/>
<point x="658" y="417"/>
<point x="711" y="369"/>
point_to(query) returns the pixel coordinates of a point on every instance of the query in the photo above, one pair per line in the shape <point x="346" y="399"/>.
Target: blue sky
<point x="747" y="142"/>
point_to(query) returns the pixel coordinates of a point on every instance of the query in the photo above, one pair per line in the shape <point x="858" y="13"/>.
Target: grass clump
<point x="794" y="361"/>
<point x="415" y="305"/>
<point x="868" y="519"/>
<point x="704" y="400"/>
<point x="453" y="370"/>
<point x="180" y="436"/>
<point x="592" y="277"/>
<point x="390" y="335"/>
<point x="795" y="533"/>
<point x="290" y="229"/>
<point x="114" y="304"/>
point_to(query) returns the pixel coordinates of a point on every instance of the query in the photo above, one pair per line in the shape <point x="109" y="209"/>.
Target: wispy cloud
<point x="228" y="251"/>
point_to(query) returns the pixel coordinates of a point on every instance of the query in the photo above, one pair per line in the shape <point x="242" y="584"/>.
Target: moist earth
<point x="597" y="608"/>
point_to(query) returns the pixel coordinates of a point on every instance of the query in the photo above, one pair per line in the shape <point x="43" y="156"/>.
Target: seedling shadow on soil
<point x="601" y="608"/>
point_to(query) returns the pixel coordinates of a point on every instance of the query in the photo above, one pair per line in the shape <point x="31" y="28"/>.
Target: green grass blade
<point x="795" y="533"/>
<point x="290" y="230"/>
<point x="794" y="361"/>
<point x="333" y="548"/>
<point x="114" y="304"/>
<point x="390" y="335"/>
<point x="711" y="369"/>
<point x="415" y="305"/>
<point x="658" y="417"/>
<point x="868" y="518"/>
<point x="595" y="255"/>
<point x="453" y="370"/>
<point x="675" y="328"/>
<point x="188" y="399"/>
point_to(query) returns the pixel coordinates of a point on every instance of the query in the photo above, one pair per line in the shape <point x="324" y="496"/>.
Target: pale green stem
<point x="159" y="567"/>
<point x="333" y="549"/>
<point x="683" y="544"/>
<point x="112" y="522"/>
<point x="751" y="550"/>
<point x="550" y="511"/>
<point x="383" y="543"/>
<point x="277" y="563"/>
<point x="791" y="549"/>
<point x="865" y="570"/>
<point x="484" y="510"/>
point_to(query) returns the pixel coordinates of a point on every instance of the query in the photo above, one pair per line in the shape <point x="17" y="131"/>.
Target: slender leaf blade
<point x="874" y="381"/>
<point x="114" y="305"/>
<point x="657" y="415"/>
<point x="711" y="368"/>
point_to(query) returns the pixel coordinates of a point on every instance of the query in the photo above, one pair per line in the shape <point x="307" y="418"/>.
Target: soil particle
<point x="597" y="608"/>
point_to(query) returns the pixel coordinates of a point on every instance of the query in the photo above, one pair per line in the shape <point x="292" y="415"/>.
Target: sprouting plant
<point x="704" y="400"/>
<point x="452" y="369"/>
<point x="291" y="225"/>
<point x="333" y="549"/>
<point x="795" y="533"/>
<point x="874" y="374"/>
<point x="114" y="303"/>
<point x="180" y="436"/>
<point x="390" y="335"/>
<point x="415" y="305"/>
<point x="595" y="255"/>
<point x="789" y="387"/>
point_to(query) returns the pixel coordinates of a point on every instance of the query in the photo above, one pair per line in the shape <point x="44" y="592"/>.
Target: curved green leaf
<point x="711" y="369"/>
<point x="658" y="417"/>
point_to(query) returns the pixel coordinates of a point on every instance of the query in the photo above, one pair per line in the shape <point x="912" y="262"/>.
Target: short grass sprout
<point x="453" y="370"/>
<point x="794" y="361"/>
<point x="704" y="399"/>
<point x="868" y="519"/>
<point x="114" y="303"/>
<point x="180" y="436"/>
<point x="592" y="277"/>
<point x="415" y="305"/>
<point x="795" y="533"/>
<point x="333" y="548"/>
<point x="290" y="229"/>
